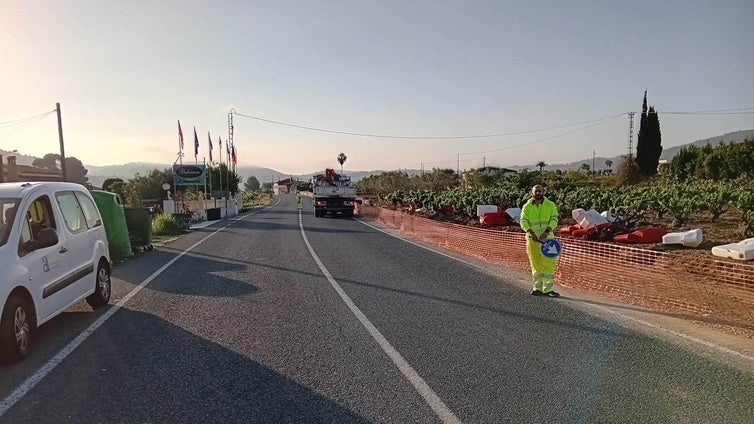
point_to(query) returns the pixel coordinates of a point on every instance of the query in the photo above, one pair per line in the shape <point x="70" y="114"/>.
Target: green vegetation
<point x="249" y="199"/>
<point x="649" y="140"/>
<point x="74" y="169"/>
<point x="700" y="189"/>
<point x="164" y="225"/>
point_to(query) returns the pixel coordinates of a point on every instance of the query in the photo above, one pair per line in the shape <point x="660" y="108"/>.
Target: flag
<point x="233" y="154"/>
<point x="180" y="136"/>
<point x="210" y="147"/>
<point x="227" y="148"/>
<point x="196" y="144"/>
<point x="220" y="148"/>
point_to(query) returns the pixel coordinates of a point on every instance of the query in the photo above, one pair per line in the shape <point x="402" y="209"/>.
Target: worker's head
<point x="537" y="192"/>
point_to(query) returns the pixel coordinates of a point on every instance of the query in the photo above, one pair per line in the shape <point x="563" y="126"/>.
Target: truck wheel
<point x="101" y="295"/>
<point x="15" y="329"/>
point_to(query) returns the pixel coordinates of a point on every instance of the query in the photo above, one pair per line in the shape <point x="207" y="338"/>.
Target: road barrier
<point x="708" y="289"/>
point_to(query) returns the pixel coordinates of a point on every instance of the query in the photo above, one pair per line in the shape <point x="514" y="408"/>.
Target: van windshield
<point x="8" y="208"/>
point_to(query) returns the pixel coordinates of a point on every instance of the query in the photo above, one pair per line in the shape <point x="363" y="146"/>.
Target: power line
<point x="501" y="134"/>
<point x="24" y="120"/>
<point x="606" y="120"/>
<point x="734" y="111"/>
<point x="12" y="129"/>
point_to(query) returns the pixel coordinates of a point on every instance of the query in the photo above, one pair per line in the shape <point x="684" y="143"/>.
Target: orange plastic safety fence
<point x="715" y="290"/>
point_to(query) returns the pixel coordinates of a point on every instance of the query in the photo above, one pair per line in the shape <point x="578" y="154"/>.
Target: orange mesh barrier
<point x="715" y="290"/>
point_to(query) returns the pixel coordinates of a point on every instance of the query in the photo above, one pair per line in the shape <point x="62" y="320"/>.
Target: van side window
<point x="38" y="216"/>
<point x="91" y="213"/>
<point x="72" y="214"/>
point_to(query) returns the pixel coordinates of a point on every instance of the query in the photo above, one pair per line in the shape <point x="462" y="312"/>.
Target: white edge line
<point x="42" y="372"/>
<point x="432" y="399"/>
<point x="602" y="308"/>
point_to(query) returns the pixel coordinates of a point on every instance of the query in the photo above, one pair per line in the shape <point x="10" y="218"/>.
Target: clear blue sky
<point x="125" y="72"/>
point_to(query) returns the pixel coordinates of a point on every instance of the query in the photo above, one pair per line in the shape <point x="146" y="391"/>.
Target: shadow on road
<point x="154" y="371"/>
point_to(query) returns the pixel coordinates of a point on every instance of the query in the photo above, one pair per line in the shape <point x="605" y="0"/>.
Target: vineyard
<point x="635" y="205"/>
<point x="708" y="187"/>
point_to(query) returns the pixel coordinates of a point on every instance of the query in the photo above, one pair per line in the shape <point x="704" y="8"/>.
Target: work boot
<point x="536" y="292"/>
<point x="551" y="293"/>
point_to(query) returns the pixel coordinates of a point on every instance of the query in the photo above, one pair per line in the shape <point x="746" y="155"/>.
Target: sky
<point x="448" y="84"/>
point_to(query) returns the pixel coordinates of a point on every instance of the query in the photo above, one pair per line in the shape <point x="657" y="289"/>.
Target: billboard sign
<point x="184" y="175"/>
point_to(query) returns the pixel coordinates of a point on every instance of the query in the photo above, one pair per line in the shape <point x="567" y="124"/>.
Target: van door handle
<point x="63" y="249"/>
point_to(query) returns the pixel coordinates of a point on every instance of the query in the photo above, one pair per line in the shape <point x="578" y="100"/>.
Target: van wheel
<point x="101" y="295"/>
<point x="15" y="329"/>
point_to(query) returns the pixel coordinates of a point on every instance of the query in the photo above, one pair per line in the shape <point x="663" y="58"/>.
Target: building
<point x="10" y="171"/>
<point x="284" y="186"/>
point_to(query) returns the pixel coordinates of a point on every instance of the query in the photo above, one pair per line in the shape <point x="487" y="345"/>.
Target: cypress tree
<point x="649" y="140"/>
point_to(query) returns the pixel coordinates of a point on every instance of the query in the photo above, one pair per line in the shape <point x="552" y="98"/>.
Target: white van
<point x="53" y="253"/>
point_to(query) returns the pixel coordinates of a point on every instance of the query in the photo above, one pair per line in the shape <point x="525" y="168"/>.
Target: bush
<point x="164" y="225"/>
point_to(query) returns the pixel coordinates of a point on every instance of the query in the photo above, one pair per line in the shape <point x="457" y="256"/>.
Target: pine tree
<point x="649" y="140"/>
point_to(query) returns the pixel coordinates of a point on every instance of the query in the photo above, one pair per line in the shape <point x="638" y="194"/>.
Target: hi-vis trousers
<point x="542" y="267"/>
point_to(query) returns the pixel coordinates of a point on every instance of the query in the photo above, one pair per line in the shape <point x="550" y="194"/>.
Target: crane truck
<point x="334" y="194"/>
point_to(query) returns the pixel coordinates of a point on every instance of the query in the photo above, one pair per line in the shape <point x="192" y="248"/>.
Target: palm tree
<point x="609" y="165"/>
<point x="541" y="164"/>
<point x="341" y="159"/>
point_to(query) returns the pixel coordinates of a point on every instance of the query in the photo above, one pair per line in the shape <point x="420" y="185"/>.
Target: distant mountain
<point x="735" y="137"/>
<point x="98" y="174"/>
<point x="667" y="153"/>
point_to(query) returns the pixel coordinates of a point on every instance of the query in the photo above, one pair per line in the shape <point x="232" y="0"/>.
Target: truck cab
<point x="334" y="194"/>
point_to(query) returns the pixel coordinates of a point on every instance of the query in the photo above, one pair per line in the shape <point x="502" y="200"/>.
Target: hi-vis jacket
<point x="538" y="217"/>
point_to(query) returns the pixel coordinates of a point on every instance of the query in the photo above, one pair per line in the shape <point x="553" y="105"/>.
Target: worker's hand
<point x="543" y="237"/>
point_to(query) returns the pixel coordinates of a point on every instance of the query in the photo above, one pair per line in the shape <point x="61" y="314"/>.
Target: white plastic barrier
<point x="743" y="250"/>
<point x="483" y="209"/>
<point x="589" y="219"/>
<point x="608" y="216"/>
<point x="691" y="238"/>
<point x="514" y="213"/>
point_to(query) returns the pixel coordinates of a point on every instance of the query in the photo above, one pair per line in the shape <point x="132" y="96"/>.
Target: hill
<point x="98" y="174"/>
<point x="667" y="152"/>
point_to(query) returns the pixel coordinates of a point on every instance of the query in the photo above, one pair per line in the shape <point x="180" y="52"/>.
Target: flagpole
<point x="204" y="197"/>
<point x="180" y="159"/>
<point x="220" y="147"/>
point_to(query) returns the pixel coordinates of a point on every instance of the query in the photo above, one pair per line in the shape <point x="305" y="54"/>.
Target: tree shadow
<point x="142" y="368"/>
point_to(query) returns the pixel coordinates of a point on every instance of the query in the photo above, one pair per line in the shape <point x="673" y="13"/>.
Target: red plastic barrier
<point x="651" y="234"/>
<point x="643" y="235"/>
<point x="496" y="218"/>
<point x="573" y="228"/>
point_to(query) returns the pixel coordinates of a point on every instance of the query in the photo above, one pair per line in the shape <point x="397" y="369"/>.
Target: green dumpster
<point x="114" y="220"/>
<point x="139" y="222"/>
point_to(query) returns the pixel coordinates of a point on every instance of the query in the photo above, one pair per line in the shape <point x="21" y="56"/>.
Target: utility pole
<point x="484" y="162"/>
<point x="630" y="134"/>
<point x="62" y="145"/>
<point x="458" y="164"/>
<point x="594" y="152"/>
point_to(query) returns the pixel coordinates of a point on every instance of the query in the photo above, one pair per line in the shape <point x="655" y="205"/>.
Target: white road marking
<point x="42" y="372"/>
<point x="434" y="401"/>
<point x="601" y="308"/>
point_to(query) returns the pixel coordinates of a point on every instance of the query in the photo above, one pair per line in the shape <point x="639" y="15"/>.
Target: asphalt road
<point x="259" y="322"/>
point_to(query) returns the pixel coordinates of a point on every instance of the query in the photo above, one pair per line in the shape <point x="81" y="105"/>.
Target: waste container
<point x="213" y="214"/>
<point x="114" y="220"/>
<point x="139" y="222"/>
